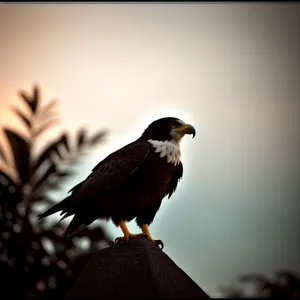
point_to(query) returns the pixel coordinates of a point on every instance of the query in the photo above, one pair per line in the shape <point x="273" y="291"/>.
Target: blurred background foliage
<point x="284" y="284"/>
<point x="35" y="262"/>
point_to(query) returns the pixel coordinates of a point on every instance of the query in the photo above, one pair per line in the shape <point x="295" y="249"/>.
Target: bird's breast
<point x="168" y="150"/>
<point x="151" y="182"/>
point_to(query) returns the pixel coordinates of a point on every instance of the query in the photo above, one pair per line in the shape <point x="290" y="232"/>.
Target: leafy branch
<point x="38" y="173"/>
<point x="25" y="263"/>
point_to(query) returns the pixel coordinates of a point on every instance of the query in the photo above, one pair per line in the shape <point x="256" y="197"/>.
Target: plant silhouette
<point x="35" y="262"/>
<point x="284" y="285"/>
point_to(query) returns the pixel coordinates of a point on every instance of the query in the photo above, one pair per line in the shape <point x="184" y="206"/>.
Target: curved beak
<point x="186" y="129"/>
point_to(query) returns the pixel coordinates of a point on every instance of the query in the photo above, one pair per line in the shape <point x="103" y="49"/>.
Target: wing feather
<point x="114" y="170"/>
<point x="177" y="175"/>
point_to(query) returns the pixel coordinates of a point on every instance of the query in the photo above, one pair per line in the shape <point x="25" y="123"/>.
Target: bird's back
<point x="144" y="189"/>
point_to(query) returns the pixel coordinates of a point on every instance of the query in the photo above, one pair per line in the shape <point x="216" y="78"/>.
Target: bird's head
<point x="168" y="129"/>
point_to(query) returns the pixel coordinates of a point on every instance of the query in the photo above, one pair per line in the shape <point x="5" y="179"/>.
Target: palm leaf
<point x="97" y="137"/>
<point x="43" y="180"/>
<point x="22" y="116"/>
<point x="20" y="149"/>
<point x="35" y="99"/>
<point x="46" y="109"/>
<point x="46" y="116"/>
<point x="5" y="180"/>
<point x="32" y="102"/>
<point x="45" y="126"/>
<point x="52" y="148"/>
<point x="64" y="141"/>
<point x="2" y="155"/>
<point x="58" y="178"/>
<point x="63" y="174"/>
<point x="81" y="137"/>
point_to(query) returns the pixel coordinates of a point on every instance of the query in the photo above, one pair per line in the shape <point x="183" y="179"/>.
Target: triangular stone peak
<point x="137" y="269"/>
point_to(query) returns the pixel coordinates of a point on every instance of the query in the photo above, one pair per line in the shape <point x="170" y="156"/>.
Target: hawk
<point x="130" y="183"/>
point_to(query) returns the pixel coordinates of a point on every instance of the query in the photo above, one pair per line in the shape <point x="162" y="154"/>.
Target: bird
<point x="130" y="183"/>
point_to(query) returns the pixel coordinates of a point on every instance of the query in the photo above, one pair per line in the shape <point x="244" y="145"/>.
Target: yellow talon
<point x="145" y="230"/>
<point x="135" y="235"/>
<point x="126" y="232"/>
<point x="128" y="236"/>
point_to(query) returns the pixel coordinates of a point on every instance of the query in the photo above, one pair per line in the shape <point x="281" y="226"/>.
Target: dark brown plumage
<point x="131" y="182"/>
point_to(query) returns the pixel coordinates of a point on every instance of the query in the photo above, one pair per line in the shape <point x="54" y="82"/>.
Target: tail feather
<point x="75" y="226"/>
<point x="57" y="207"/>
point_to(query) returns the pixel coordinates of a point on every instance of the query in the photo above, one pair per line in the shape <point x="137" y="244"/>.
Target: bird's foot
<point x="158" y="243"/>
<point x="127" y="238"/>
<point x="146" y="232"/>
<point x="135" y="235"/>
<point x="122" y="239"/>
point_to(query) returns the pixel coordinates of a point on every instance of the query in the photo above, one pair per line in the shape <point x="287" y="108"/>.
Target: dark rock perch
<point x="136" y="269"/>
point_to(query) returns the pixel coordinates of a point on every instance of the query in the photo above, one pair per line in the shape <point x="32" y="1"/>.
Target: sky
<point x="231" y="70"/>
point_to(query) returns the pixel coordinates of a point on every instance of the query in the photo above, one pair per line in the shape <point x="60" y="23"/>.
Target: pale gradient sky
<point x="232" y="70"/>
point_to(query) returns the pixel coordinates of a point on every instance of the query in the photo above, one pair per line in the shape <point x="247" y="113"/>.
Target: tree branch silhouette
<point x="35" y="262"/>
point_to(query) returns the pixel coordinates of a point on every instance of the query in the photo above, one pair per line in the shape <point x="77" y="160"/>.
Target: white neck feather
<point x="170" y="149"/>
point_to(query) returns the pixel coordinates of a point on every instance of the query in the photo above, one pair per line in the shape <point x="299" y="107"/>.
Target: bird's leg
<point x="126" y="232"/>
<point x="145" y="230"/>
<point x="127" y="235"/>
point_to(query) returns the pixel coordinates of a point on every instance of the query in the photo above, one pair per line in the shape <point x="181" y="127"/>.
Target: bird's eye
<point x="174" y="125"/>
